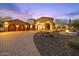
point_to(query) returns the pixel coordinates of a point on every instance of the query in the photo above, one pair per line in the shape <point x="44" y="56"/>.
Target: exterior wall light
<point x="6" y="24"/>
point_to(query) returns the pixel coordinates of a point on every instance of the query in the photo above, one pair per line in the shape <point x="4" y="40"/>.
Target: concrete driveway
<point x="18" y="44"/>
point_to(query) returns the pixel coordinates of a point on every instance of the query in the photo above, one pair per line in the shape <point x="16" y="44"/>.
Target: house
<point x="45" y="23"/>
<point x="16" y="25"/>
<point x="40" y="24"/>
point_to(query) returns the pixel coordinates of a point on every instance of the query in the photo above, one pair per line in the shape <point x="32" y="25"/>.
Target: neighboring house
<point x="16" y="25"/>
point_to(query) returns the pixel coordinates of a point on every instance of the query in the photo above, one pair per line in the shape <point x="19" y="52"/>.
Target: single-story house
<point x="16" y="25"/>
<point x="40" y="24"/>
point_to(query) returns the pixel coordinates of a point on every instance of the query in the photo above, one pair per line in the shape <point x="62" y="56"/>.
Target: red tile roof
<point x="17" y="21"/>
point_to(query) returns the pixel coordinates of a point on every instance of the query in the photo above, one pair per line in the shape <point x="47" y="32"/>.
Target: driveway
<point x="18" y="44"/>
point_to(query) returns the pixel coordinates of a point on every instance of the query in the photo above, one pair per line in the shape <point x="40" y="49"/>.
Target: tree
<point x="3" y="19"/>
<point x="61" y="21"/>
<point x="75" y="24"/>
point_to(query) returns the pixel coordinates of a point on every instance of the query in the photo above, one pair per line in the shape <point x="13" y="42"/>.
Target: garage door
<point x="12" y="27"/>
<point x="21" y="27"/>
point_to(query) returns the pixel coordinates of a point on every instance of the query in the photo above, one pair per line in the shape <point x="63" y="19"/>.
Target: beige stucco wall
<point x="42" y="27"/>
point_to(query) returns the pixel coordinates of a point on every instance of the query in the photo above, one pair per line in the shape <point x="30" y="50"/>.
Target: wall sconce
<point x="6" y="24"/>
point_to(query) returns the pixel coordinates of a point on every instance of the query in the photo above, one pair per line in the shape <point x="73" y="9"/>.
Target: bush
<point x="50" y="35"/>
<point x="73" y="44"/>
<point x="1" y="29"/>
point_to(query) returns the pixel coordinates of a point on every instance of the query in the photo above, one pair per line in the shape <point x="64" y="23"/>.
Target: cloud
<point x="14" y="10"/>
<point x="14" y="14"/>
<point x="73" y="13"/>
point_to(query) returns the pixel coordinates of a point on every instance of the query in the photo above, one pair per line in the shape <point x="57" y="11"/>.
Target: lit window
<point x="30" y="26"/>
<point x="25" y="25"/>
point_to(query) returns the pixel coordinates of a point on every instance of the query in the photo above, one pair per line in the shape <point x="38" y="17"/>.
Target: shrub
<point x="50" y="35"/>
<point x="1" y="29"/>
<point x="73" y="44"/>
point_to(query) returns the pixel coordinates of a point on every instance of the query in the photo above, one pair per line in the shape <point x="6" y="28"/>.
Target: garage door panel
<point x="21" y="27"/>
<point x="12" y="27"/>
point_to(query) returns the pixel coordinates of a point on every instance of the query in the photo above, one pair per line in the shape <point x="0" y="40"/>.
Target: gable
<point x="17" y="21"/>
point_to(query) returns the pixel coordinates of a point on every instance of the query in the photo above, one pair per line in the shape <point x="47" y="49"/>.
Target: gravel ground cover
<point x="54" y="44"/>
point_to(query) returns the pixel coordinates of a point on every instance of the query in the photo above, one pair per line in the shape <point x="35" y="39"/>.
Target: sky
<point x="35" y="10"/>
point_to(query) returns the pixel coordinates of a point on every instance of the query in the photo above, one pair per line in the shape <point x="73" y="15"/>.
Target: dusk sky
<point x="36" y="10"/>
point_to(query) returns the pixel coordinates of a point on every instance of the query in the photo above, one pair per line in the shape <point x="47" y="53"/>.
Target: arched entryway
<point x="39" y="27"/>
<point x="28" y="27"/>
<point x="47" y="26"/>
<point x="21" y="27"/>
<point x="12" y="27"/>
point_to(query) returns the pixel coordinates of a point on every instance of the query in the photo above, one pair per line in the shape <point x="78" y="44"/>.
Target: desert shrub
<point x="1" y="29"/>
<point x="50" y="35"/>
<point x="73" y="44"/>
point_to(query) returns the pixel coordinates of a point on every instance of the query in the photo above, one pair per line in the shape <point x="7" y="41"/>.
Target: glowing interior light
<point x="17" y="25"/>
<point x="40" y="27"/>
<point x="6" y="25"/>
<point x="38" y="22"/>
<point x="48" y="22"/>
<point x="25" y="25"/>
<point x="67" y="30"/>
<point x="30" y="26"/>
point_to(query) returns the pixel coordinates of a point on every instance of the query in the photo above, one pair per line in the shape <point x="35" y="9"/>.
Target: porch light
<point x="6" y="24"/>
